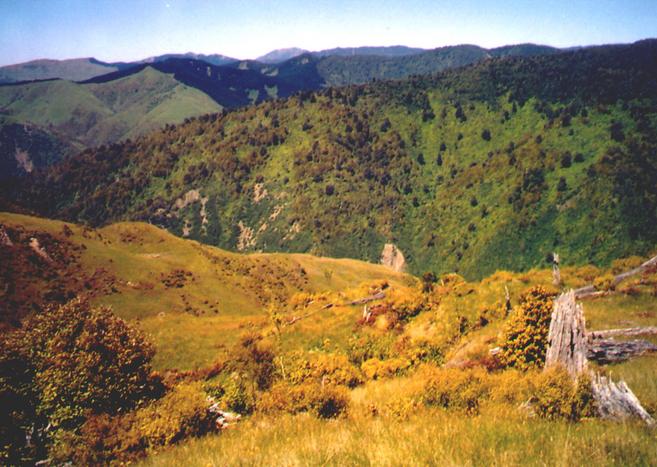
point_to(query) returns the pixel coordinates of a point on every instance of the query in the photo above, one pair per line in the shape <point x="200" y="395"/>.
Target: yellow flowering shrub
<point x="524" y="338"/>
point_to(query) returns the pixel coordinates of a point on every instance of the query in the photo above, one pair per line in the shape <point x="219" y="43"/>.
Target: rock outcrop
<point x="392" y="257"/>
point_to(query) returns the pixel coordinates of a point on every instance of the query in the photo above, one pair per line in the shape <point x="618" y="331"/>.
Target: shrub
<point x="235" y="394"/>
<point x="69" y="362"/>
<point x="510" y="387"/>
<point x="367" y="346"/>
<point x="329" y="368"/>
<point x="102" y="439"/>
<point x="375" y="368"/>
<point x="555" y="395"/>
<point x="456" y="389"/>
<point x="253" y="360"/>
<point x="182" y="413"/>
<point x="324" y="401"/>
<point x="625" y="264"/>
<point x="604" y="283"/>
<point x="524" y="340"/>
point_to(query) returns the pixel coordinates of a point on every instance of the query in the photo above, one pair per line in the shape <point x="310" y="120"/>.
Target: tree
<point x="67" y="362"/>
<point x="486" y="135"/>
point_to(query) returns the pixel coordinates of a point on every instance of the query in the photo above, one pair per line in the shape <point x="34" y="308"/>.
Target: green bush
<point x="604" y="283"/>
<point x="329" y="368"/>
<point x="253" y="360"/>
<point x="524" y="340"/>
<point x="456" y="389"/>
<point x="67" y="363"/>
<point x="104" y="439"/>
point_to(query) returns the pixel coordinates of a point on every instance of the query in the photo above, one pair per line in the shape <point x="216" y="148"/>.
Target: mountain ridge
<point x="457" y="169"/>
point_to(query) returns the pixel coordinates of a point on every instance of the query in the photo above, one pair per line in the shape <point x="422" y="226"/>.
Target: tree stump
<point x="567" y="336"/>
<point x="568" y="346"/>
<point x="616" y="401"/>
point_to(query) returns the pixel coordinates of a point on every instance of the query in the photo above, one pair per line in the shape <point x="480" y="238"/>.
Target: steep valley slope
<point x="491" y="166"/>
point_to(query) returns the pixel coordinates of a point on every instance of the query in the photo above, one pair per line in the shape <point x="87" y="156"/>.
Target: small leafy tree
<point x="524" y="340"/>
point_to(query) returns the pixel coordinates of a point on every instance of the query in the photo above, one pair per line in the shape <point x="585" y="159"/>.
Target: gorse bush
<point x="376" y="369"/>
<point x="555" y="395"/>
<point x="66" y="363"/>
<point x="604" y="283"/>
<point x="330" y="368"/>
<point x="524" y="339"/>
<point x="253" y="361"/>
<point x="323" y="401"/>
<point x="104" y="439"/>
<point x="456" y="389"/>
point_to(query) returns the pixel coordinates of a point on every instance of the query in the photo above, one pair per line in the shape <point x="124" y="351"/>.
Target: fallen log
<point x="605" y="351"/>
<point x="630" y="332"/>
<point x="589" y="290"/>
<point x="370" y="298"/>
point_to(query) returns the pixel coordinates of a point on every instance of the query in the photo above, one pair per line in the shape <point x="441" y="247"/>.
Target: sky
<point x="126" y="30"/>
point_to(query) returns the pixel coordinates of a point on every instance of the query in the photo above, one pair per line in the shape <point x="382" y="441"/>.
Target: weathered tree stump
<point x="616" y="401"/>
<point x="567" y="336"/>
<point x="568" y="345"/>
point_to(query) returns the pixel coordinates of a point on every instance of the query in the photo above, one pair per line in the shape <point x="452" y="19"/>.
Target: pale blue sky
<point x="114" y="30"/>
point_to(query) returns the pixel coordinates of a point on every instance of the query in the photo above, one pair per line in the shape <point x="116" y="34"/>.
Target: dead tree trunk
<point x="568" y="346"/>
<point x="606" y="351"/>
<point x="556" y="274"/>
<point x="567" y="336"/>
<point x="589" y="290"/>
<point x="644" y="331"/>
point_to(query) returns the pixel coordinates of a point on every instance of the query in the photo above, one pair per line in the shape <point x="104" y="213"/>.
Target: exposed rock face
<point x="392" y="257"/>
<point x="39" y="250"/>
<point x="4" y="237"/>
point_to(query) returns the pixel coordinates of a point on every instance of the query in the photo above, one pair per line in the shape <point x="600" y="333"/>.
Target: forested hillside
<point x="475" y="169"/>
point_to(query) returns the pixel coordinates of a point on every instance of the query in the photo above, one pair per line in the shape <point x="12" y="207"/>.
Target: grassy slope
<point x="98" y="113"/>
<point x="75" y="70"/>
<point x="138" y="254"/>
<point x="497" y="435"/>
<point x="182" y="321"/>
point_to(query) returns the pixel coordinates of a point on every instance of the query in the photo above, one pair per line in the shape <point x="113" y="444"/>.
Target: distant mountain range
<point x="86" y="102"/>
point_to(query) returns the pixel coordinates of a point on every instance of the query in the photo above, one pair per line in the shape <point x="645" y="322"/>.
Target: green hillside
<point x="76" y="69"/>
<point x="492" y="166"/>
<point x="94" y="114"/>
<point x="185" y="295"/>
